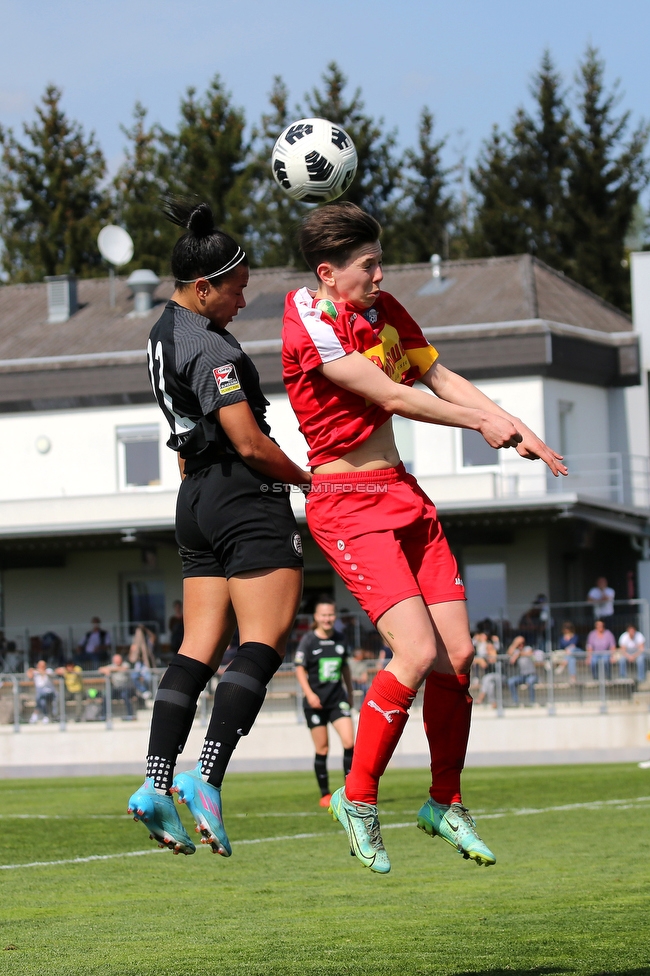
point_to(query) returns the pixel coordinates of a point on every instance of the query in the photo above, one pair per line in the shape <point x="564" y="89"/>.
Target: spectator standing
<point x="176" y="627"/>
<point x="570" y="644"/>
<point x="324" y="676"/>
<point x="533" y="622"/>
<point x="42" y="677"/>
<point x="141" y="659"/>
<point x="600" y="644"/>
<point x="121" y="684"/>
<point x="74" y="689"/>
<point x="632" y="648"/>
<point x="94" y="648"/>
<point x="520" y="655"/>
<point x="601" y="596"/>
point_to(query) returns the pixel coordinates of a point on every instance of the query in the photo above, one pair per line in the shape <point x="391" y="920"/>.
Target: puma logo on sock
<point x="387" y="715"/>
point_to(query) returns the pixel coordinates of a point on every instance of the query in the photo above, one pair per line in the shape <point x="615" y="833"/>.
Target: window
<point x="405" y="441"/>
<point x="485" y="587"/>
<point x="138" y="456"/>
<point x="476" y="450"/>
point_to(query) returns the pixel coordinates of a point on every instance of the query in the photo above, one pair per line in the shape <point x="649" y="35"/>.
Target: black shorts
<point x="228" y="521"/>
<point x="321" y="716"/>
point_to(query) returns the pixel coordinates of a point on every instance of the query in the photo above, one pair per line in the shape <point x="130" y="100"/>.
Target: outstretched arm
<point x="453" y="388"/>
<point x="358" y="375"/>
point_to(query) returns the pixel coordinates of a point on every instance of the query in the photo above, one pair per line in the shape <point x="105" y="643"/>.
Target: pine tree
<point x="521" y="178"/>
<point x="142" y="180"/>
<point x="607" y="176"/>
<point x="426" y="209"/>
<point x="274" y="216"/>
<point x="378" y="170"/>
<point x="208" y="155"/>
<point x="51" y="202"/>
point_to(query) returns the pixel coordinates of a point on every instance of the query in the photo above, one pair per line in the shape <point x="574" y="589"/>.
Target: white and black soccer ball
<point x="314" y="160"/>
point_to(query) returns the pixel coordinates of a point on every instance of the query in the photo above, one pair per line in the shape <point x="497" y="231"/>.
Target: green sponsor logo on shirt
<point x="329" y="669"/>
<point x="325" y="305"/>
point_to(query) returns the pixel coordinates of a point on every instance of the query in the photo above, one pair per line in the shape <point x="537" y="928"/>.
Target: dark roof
<point x="526" y="318"/>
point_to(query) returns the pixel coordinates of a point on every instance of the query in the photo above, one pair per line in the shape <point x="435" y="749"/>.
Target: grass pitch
<point x="569" y="894"/>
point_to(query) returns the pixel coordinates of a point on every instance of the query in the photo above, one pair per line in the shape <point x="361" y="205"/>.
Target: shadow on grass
<point x="552" y="971"/>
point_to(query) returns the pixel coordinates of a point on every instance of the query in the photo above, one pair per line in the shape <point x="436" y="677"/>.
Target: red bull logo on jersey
<point x="389" y="354"/>
<point x="226" y="379"/>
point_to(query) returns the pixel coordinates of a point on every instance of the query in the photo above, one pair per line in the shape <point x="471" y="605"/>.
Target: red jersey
<point x="333" y="420"/>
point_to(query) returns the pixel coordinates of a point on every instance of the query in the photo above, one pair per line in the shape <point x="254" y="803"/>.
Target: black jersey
<point x="195" y="370"/>
<point x="323" y="659"/>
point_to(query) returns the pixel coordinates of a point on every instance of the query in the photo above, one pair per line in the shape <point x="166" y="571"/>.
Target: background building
<point x="87" y="490"/>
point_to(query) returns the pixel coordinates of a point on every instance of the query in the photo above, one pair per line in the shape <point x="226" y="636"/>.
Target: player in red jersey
<point x="351" y="354"/>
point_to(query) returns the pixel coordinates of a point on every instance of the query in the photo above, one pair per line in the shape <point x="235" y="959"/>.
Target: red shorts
<point x="381" y="534"/>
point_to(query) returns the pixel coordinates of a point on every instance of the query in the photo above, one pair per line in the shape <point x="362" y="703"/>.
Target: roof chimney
<point x="61" y="297"/>
<point x="143" y="284"/>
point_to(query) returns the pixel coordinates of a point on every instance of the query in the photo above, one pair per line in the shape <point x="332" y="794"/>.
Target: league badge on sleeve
<point x="226" y="379"/>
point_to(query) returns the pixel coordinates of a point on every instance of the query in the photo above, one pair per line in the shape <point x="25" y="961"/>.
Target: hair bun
<point x="196" y="217"/>
<point x="201" y="221"/>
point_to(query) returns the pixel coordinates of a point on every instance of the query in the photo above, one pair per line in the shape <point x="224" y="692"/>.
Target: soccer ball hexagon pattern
<point x="314" y="160"/>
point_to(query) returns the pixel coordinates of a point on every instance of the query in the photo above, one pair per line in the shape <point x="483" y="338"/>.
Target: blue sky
<point x="470" y="61"/>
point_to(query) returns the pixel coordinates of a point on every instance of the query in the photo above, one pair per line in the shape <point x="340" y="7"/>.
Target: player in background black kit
<point x="239" y="544"/>
<point x="324" y="675"/>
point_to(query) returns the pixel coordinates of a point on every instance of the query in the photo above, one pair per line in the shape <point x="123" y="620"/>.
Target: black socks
<point x="173" y="714"/>
<point x="347" y="760"/>
<point x="320" y="768"/>
<point x="237" y="701"/>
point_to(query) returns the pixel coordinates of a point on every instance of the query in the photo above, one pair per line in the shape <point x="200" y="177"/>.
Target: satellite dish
<point x="115" y="245"/>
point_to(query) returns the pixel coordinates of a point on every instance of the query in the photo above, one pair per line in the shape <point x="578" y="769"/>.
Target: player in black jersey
<point x="239" y="543"/>
<point x="324" y="675"/>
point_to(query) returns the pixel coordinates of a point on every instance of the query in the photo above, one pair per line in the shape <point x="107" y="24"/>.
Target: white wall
<point x="82" y="459"/>
<point x="90" y="584"/>
<point x="589" y="419"/>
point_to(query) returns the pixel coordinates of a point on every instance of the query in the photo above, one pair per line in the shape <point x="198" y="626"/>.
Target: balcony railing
<point x="622" y="479"/>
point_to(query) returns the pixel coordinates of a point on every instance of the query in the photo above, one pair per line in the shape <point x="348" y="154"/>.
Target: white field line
<point x="631" y="803"/>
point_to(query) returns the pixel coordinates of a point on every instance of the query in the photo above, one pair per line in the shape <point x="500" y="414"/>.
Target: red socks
<point x="447" y="712"/>
<point x="382" y="718"/>
<point x="384" y="713"/>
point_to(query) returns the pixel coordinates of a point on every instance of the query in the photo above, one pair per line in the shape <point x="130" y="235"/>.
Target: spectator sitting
<point x="632" y="648"/>
<point x="521" y="655"/>
<point x="570" y="644"/>
<point x="74" y="688"/>
<point x="121" y="684"/>
<point x="95" y="646"/>
<point x="480" y="641"/>
<point x="491" y="678"/>
<point x="600" y="644"/>
<point x="11" y="657"/>
<point x="41" y="675"/>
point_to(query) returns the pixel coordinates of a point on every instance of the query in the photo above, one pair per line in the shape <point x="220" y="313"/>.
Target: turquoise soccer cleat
<point x="454" y="824"/>
<point x="204" y="803"/>
<point x="158" y="813"/>
<point x="361" y="823"/>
